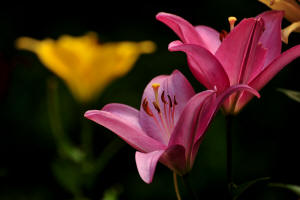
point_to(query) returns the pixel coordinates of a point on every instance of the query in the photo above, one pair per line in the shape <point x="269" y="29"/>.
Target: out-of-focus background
<point x="266" y="133"/>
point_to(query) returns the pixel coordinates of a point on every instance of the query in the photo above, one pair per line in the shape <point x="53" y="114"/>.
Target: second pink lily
<point x="250" y="54"/>
<point x="170" y="124"/>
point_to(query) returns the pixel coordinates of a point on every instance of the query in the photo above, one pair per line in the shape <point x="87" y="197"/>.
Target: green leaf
<point x="295" y="95"/>
<point x="112" y="193"/>
<point x="68" y="175"/>
<point x="237" y="190"/>
<point x="293" y="188"/>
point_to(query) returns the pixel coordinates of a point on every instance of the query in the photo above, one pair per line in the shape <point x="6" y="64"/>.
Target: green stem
<point x="53" y="112"/>
<point x="106" y="155"/>
<point x="176" y="186"/>
<point x="189" y="187"/>
<point x="229" y="119"/>
<point x="87" y="138"/>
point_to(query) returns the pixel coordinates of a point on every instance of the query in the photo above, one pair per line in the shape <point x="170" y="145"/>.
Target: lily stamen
<point x="173" y="110"/>
<point x="223" y="34"/>
<point x="232" y="21"/>
<point x="156" y="105"/>
<point x="168" y="121"/>
<point x="146" y="108"/>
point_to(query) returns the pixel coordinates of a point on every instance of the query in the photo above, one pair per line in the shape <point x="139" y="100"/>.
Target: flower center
<point x="164" y="117"/>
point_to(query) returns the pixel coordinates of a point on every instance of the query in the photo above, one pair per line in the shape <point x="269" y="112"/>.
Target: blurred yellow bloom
<point x="86" y="66"/>
<point x="291" y="12"/>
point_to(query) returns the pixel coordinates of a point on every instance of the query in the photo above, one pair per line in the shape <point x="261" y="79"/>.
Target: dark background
<point x="266" y="132"/>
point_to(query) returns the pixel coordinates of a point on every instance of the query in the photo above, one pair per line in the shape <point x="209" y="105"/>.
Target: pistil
<point x="232" y="21"/>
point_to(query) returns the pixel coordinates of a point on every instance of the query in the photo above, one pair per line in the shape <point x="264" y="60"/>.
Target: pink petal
<point x="174" y="85"/>
<point x="192" y="122"/>
<point x="205" y="67"/>
<point x="146" y="164"/>
<point x="238" y="50"/>
<point x="210" y="37"/>
<point x="271" y="37"/>
<point x="174" y="44"/>
<point x="238" y="90"/>
<point x="123" y="121"/>
<point x="269" y="72"/>
<point x="196" y="118"/>
<point x="185" y="31"/>
<point x="199" y="35"/>
<point x="174" y="158"/>
<point x="258" y="63"/>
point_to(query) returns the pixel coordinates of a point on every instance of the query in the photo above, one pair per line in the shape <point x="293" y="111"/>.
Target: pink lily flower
<point x="250" y="54"/>
<point x="169" y="126"/>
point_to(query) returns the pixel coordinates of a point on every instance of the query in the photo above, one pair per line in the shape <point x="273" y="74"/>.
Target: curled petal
<point x="285" y="33"/>
<point x="174" y="44"/>
<point x="290" y="7"/>
<point x="210" y="36"/>
<point x="205" y="67"/>
<point x="185" y="31"/>
<point x="235" y="91"/>
<point x="123" y="121"/>
<point x="270" y="71"/>
<point x="188" y="34"/>
<point x="146" y="164"/>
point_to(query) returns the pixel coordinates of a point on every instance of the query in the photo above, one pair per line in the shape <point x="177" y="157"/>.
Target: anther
<point x="163" y="97"/>
<point x="146" y="107"/>
<point x="170" y="101"/>
<point x="175" y="102"/>
<point x="223" y="34"/>
<point x="156" y="106"/>
<point x="232" y="21"/>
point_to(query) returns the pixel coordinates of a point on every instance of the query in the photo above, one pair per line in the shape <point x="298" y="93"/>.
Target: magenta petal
<point x="205" y="67"/>
<point x="238" y="49"/>
<point x="192" y="122"/>
<point x="146" y="164"/>
<point x="234" y="89"/>
<point x="185" y="31"/>
<point x="258" y="64"/>
<point x="271" y="37"/>
<point x="210" y="37"/>
<point x="123" y="121"/>
<point x="174" y="158"/>
<point x="174" y="85"/>
<point x="174" y="44"/>
<point x="270" y="71"/>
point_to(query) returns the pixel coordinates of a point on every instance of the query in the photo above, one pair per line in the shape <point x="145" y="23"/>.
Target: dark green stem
<point x="229" y="119"/>
<point x="188" y="186"/>
<point x="53" y="111"/>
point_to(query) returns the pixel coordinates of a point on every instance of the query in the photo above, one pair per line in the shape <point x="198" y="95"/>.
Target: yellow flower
<point x="291" y="12"/>
<point x="86" y="66"/>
